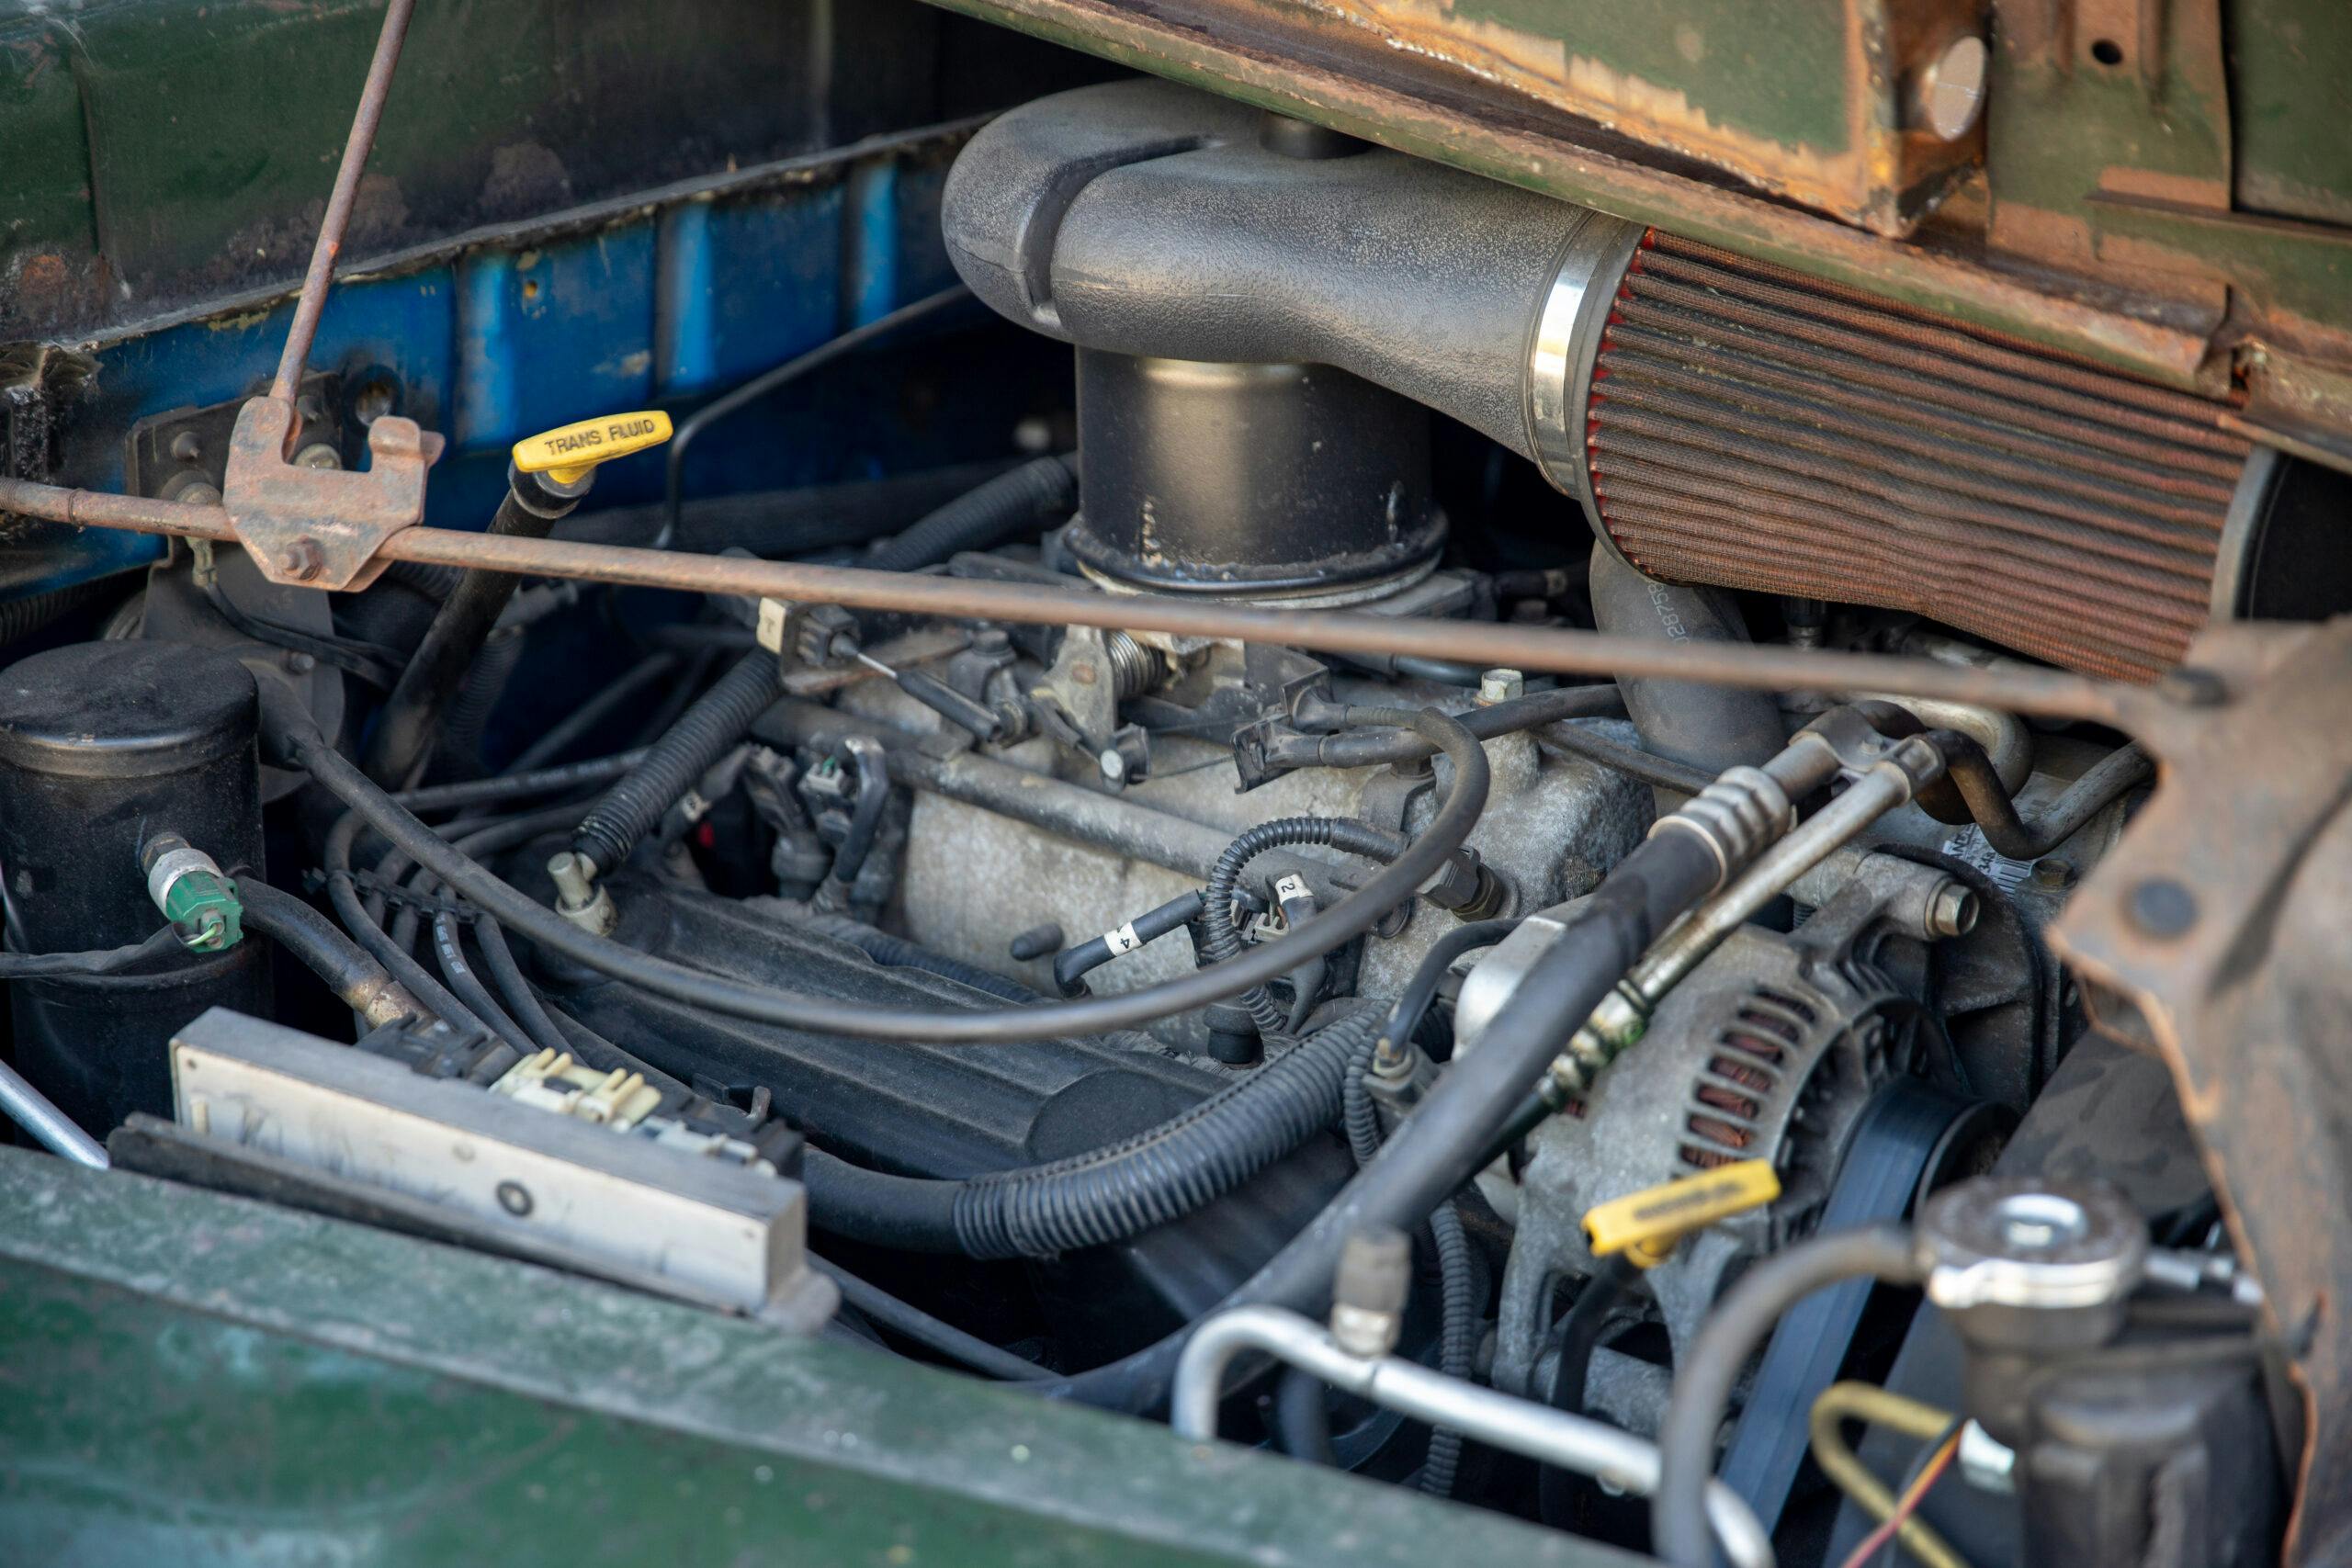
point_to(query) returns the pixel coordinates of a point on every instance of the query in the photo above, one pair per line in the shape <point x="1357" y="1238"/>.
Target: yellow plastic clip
<point x="565" y="455"/>
<point x="1645" y="1225"/>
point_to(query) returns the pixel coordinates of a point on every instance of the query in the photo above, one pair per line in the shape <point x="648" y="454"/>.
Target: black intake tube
<point x="719" y="719"/>
<point x="1108" y="1194"/>
<point x="1712" y="728"/>
<point x="1005" y="508"/>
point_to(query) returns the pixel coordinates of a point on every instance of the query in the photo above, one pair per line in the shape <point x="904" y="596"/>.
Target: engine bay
<point x="1277" y="788"/>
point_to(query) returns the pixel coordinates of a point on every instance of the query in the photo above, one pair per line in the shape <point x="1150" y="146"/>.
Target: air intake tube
<point x="1721" y="422"/>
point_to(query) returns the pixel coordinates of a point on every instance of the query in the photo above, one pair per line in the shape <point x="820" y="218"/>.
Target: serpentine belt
<point x="1876" y="1181"/>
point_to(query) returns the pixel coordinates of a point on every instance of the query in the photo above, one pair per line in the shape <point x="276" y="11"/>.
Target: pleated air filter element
<point x="1753" y="429"/>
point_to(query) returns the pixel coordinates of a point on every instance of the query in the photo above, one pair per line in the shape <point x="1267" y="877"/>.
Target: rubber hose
<point x="1003" y="509"/>
<point x="1107" y="1194"/>
<point x="1301" y="1419"/>
<point x="291" y="739"/>
<point x="1375" y="747"/>
<point x="486" y="682"/>
<point x="344" y="966"/>
<point x="1703" y="1380"/>
<point x="1221" y="942"/>
<point x="22" y="617"/>
<point x="717" y="720"/>
<point x="1713" y="727"/>
<point x="1457" y="1338"/>
<point x="1358" y="1115"/>
<point x="898" y="952"/>
<point x="416" y="712"/>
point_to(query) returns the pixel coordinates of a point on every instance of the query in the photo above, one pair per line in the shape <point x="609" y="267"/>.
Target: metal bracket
<point x="322" y="527"/>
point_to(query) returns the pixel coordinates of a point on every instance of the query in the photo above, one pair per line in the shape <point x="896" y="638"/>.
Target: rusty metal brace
<point x="322" y="527"/>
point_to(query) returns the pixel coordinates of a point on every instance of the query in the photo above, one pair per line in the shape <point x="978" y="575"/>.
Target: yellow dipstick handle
<point x="1645" y="1225"/>
<point x="565" y="455"/>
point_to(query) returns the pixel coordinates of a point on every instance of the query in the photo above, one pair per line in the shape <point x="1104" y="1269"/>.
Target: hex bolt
<point x="1368" y="1291"/>
<point x="2161" y="908"/>
<point x="303" y="560"/>
<point x="2052" y="874"/>
<point x="1114" y="766"/>
<point x="1953" y="910"/>
<point x="318" y="455"/>
<point x="1500" y="686"/>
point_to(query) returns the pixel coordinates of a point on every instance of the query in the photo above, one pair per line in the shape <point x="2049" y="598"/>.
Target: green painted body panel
<point x="194" y="1380"/>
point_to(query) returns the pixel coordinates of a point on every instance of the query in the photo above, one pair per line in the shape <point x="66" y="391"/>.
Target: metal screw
<point x="1500" y="686"/>
<point x="2160" y="907"/>
<point x="1114" y="766"/>
<point x="318" y="455"/>
<point x="2052" y="873"/>
<point x="303" y="560"/>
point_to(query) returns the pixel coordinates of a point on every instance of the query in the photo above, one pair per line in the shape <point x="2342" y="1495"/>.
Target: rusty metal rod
<point x="362" y="141"/>
<point x="2047" y="693"/>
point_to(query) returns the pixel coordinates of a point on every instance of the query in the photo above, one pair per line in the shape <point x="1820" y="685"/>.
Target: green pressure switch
<point x="196" y="896"/>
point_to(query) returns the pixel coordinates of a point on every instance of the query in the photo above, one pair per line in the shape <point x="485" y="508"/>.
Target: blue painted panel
<point x="661" y="307"/>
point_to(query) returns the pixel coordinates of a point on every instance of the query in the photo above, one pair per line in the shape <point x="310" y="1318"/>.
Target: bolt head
<point x="1114" y="766"/>
<point x="1083" y="672"/>
<point x="2161" y="908"/>
<point x="1949" y="95"/>
<point x="1954" y="911"/>
<point x="2052" y="874"/>
<point x="1500" y="686"/>
<point x="318" y="455"/>
<point x="303" y="560"/>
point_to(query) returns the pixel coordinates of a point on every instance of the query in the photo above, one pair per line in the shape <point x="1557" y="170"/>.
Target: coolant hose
<point x="1108" y="1194"/>
<point x="996" y="512"/>
<point x="1713" y="727"/>
<point x="1220" y="942"/>
<point x="719" y="719"/>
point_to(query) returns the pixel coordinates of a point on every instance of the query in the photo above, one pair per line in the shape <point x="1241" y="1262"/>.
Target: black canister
<point x="103" y="745"/>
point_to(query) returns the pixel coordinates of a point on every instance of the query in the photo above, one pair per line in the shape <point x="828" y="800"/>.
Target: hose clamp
<point x="1563" y="342"/>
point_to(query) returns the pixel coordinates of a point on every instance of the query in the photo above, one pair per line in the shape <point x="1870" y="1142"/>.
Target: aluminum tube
<point x="1572" y="1443"/>
<point x="32" y="1111"/>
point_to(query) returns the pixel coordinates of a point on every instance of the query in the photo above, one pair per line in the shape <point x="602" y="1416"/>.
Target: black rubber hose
<point x="1457" y="1338"/>
<point x="1108" y="1194"/>
<point x="1011" y="506"/>
<point x="873" y="766"/>
<point x="293" y="740"/>
<point x="1997" y="816"/>
<point x="343" y="893"/>
<point x="718" y="719"/>
<point x="911" y="1322"/>
<point x="1580" y="1333"/>
<point x="1072" y="966"/>
<point x="98" y="961"/>
<point x="413" y="715"/>
<point x="558" y="780"/>
<point x="1358" y="1115"/>
<point x="1374" y="748"/>
<point x="1704" y="1382"/>
<point x="1443" y="1143"/>
<point x="1661" y="772"/>
<point x="585" y="719"/>
<point x="522" y="1002"/>
<point x="313" y="939"/>
<point x="1221" y="943"/>
<point x="898" y="952"/>
<point x="1712" y="728"/>
<point x="1303" y="1418"/>
<point x="459" y="753"/>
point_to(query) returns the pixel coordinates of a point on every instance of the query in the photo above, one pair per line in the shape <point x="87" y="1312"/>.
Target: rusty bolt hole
<point x="2107" y="52"/>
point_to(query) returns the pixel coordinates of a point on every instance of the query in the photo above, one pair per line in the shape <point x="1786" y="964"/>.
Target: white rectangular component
<point x="724" y="1230"/>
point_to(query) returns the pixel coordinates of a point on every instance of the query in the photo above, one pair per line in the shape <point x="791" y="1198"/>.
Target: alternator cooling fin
<point x="1753" y="430"/>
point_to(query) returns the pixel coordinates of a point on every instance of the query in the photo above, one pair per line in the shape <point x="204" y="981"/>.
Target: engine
<point x="1454" y="854"/>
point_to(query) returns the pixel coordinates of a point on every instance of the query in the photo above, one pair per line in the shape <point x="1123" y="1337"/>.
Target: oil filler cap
<point x="566" y="454"/>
